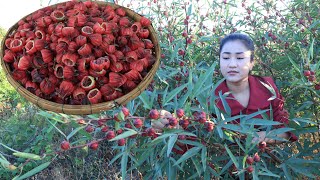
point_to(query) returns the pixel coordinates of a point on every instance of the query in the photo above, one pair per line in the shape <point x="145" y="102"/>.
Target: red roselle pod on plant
<point x="209" y="126"/>
<point x="65" y="145"/>
<point x="94" y="96"/>
<point x="110" y="135"/>
<point x="180" y="113"/>
<point x="104" y="128"/>
<point x="88" y="83"/>
<point x="121" y="142"/>
<point x="154" y="114"/>
<point x="125" y="111"/>
<point x="138" y="123"/>
<point x="173" y="121"/>
<point x="184" y="123"/>
<point x="94" y="145"/>
<point x="249" y="160"/>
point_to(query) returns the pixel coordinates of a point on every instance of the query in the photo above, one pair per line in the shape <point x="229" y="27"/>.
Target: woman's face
<point x="235" y="61"/>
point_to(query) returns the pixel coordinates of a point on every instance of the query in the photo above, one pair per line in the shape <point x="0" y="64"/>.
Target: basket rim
<point x="91" y="108"/>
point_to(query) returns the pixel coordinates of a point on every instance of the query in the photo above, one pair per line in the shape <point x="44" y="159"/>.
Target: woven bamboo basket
<point x="86" y="109"/>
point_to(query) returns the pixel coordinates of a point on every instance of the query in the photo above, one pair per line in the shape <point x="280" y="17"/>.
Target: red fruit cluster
<point x="79" y="52"/>
<point x="154" y="114"/>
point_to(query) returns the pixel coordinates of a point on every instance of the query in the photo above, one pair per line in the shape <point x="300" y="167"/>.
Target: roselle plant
<point x="197" y="143"/>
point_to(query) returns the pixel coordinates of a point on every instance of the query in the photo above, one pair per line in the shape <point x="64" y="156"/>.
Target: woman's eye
<point x="240" y="58"/>
<point x="225" y="58"/>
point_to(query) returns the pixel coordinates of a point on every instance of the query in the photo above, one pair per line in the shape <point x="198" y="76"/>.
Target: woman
<point x="248" y="93"/>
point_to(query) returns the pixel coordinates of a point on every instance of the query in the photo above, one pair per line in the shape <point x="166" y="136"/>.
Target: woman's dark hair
<point x="245" y="39"/>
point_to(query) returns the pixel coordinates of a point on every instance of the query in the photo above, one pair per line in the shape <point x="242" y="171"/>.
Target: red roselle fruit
<point x="250" y="169"/>
<point x="180" y="113"/>
<point x="256" y="157"/>
<point x="154" y="114"/>
<point x="94" y="145"/>
<point x="209" y="126"/>
<point x="125" y="111"/>
<point x="121" y="142"/>
<point x="249" y="160"/>
<point x="262" y="145"/>
<point x="110" y="135"/>
<point x="138" y="123"/>
<point x="65" y="145"/>
<point x="173" y="121"/>
<point x="89" y="129"/>
<point x="306" y="73"/>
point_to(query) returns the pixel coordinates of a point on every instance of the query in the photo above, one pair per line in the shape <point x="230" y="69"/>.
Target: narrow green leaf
<point x="124" y="135"/>
<point x="262" y="122"/>
<point x="304" y="120"/>
<point x="171" y="142"/>
<point x="294" y="64"/>
<point x="233" y="158"/>
<point x="75" y="131"/>
<point x="310" y="52"/>
<point x="197" y="165"/>
<point x="253" y="115"/>
<point x="191" y="152"/>
<point x="53" y="124"/>
<point x="4" y="162"/>
<point x="285" y="170"/>
<point x="145" y="99"/>
<point x="279" y="131"/>
<point x="204" y="158"/>
<point x="302" y="170"/>
<point x="120" y="116"/>
<point x="8" y="147"/>
<point x="224" y="103"/>
<point x="173" y="93"/>
<point x="203" y="78"/>
<point x="34" y="171"/>
<point x="124" y="161"/>
<point x="27" y="155"/>
<point x="115" y="158"/>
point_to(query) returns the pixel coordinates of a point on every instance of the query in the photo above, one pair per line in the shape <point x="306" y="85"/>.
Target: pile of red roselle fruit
<point x="79" y="52"/>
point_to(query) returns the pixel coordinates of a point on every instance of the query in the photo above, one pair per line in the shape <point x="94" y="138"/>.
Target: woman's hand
<point x="159" y="124"/>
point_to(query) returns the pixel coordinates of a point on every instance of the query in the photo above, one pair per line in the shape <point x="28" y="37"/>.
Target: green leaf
<point x="224" y="103"/>
<point x="50" y="116"/>
<point x="34" y="171"/>
<point x="115" y="158"/>
<point x="120" y="116"/>
<point x="304" y="120"/>
<point x="285" y="170"/>
<point x="126" y="134"/>
<point x="124" y="161"/>
<point x="27" y="155"/>
<point x="171" y="142"/>
<point x="246" y="117"/>
<point x="262" y="122"/>
<point x="196" y="165"/>
<point x="294" y="64"/>
<point x="145" y="99"/>
<point x="75" y="131"/>
<point x="279" y="131"/>
<point x="302" y="170"/>
<point x="53" y="124"/>
<point x="233" y="158"/>
<point x="270" y="88"/>
<point x="204" y="158"/>
<point x="310" y="52"/>
<point x="191" y="152"/>
<point x="173" y="93"/>
<point x="202" y="79"/>
<point x="5" y="163"/>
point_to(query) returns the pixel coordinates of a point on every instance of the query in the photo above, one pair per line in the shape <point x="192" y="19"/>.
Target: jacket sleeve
<point x="279" y="113"/>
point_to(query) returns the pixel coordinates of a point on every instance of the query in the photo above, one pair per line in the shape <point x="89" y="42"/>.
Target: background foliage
<point x="286" y="35"/>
